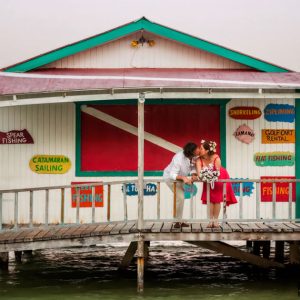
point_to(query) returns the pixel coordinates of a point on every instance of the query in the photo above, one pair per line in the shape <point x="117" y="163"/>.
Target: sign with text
<point x="244" y="112"/>
<point x="190" y="190"/>
<point x="274" y="159"/>
<point x="282" y="189"/>
<point x="247" y="187"/>
<point x="280" y="113"/>
<point x="16" y="137"/>
<point x="50" y="164"/>
<point x="86" y="196"/>
<point x="244" y="134"/>
<point x="132" y="190"/>
<point x="277" y="136"/>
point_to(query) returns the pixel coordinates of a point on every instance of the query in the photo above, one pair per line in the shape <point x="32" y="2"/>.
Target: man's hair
<point x="189" y="148"/>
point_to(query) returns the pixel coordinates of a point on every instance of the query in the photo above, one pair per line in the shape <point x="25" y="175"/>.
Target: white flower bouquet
<point x="209" y="175"/>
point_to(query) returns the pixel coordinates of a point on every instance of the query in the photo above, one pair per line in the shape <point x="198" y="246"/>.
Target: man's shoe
<point x="185" y="225"/>
<point x="177" y="225"/>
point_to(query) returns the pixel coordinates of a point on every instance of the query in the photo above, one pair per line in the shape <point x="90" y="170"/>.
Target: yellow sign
<point x="50" y="164"/>
<point x="277" y="136"/>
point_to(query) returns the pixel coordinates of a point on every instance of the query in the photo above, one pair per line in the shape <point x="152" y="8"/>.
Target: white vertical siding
<point x="165" y="54"/>
<point x="240" y="162"/>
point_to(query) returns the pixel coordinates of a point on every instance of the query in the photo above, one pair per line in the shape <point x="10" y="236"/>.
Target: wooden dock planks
<point x="41" y="233"/>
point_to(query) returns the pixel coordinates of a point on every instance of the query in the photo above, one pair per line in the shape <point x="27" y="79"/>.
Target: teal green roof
<point x="143" y="24"/>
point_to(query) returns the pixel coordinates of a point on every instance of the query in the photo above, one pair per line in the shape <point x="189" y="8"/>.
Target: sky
<point x="265" y="29"/>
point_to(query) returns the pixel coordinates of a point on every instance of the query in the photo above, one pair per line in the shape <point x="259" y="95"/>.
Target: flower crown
<point x="212" y="145"/>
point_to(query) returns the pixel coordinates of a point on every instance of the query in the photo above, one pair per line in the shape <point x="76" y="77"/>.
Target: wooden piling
<point x="18" y="256"/>
<point x="279" y="251"/>
<point x="266" y="245"/>
<point x="256" y="248"/>
<point x="4" y="258"/>
<point x="140" y="266"/>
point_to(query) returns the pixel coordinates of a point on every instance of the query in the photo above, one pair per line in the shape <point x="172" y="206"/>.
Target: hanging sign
<point x="132" y="190"/>
<point x="247" y="187"/>
<point x="244" y="112"/>
<point x="282" y="189"/>
<point x="244" y="134"/>
<point x="274" y="159"/>
<point x="86" y="195"/>
<point x="16" y="137"/>
<point x="50" y="164"/>
<point x="279" y="113"/>
<point x="277" y="136"/>
<point x="190" y="190"/>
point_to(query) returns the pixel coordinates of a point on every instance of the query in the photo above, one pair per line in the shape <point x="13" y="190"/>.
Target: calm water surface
<point x="173" y="272"/>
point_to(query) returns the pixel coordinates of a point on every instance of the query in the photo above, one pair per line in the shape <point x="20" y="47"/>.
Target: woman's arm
<point x="198" y="166"/>
<point x="218" y="163"/>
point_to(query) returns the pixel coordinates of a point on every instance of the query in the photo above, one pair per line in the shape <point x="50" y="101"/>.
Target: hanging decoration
<point x="274" y="159"/>
<point x="244" y="112"/>
<point x="277" y="136"/>
<point x="279" y="113"/>
<point x="244" y="134"/>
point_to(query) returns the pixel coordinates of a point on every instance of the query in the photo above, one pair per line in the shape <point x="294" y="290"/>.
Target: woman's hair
<point x="210" y="146"/>
<point x="189" y="148"/>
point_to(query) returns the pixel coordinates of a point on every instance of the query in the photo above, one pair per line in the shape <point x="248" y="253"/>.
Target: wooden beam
<point x="231" y="251"/>
<point x="128" y="255"/>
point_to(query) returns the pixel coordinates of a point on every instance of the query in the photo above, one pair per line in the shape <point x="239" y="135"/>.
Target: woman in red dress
<point x="209" y="160"/>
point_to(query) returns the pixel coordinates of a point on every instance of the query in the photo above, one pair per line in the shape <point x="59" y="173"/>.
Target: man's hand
<point x="195" y="177"/>
<point x="187" y="180"/>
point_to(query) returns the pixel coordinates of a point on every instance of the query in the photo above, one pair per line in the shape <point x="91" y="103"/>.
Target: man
<point x="179" y="169"/>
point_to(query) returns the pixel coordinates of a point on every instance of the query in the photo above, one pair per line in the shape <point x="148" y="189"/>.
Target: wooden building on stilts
<point x="87" y="129"/>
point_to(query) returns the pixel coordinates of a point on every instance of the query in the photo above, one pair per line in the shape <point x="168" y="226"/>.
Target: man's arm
<point x="175" y="171"/>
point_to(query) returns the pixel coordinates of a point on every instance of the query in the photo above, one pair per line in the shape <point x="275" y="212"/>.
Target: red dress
<point x="216" y="194"/>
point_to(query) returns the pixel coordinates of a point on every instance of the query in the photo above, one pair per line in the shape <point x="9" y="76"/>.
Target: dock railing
<point x="57" y="203"/>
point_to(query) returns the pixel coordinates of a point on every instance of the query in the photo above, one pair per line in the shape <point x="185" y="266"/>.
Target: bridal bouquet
<point x="209" y="175"/>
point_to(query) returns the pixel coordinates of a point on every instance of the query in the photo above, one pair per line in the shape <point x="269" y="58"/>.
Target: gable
<point x="143" y="25"/>
<point x="164" y="54"/>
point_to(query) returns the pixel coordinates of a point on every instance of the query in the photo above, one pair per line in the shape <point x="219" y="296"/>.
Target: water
<point x="172" y="273"/>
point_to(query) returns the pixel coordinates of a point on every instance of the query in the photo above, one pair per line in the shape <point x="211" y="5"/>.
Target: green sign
<point x="274" y="159"/>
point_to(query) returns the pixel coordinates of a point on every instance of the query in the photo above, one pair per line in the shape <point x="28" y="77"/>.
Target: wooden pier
<point x="257" y="234"/>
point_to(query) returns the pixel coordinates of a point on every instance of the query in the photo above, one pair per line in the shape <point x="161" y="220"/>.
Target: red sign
<point x="112" y="145"/>
<point x="244" y="112"/>
<point x="16" y="137"/>
<point x="86" y="199"/>
<point x="282" y="189"/>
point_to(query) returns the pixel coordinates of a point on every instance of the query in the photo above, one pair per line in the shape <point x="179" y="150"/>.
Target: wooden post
<point x="256" y="248"/>
<point x="18" y="256"/>
<point x="62" y="206"/>
<point x="266" y="245"/>
<point x="249" y="246"/>
<point x="140" y="265"/>
<point x="174" y="200"/>
<point x="279" y="251"/>
<point x="4" y="260"/>
<point x="108" y="203"/>
<point x="141" y="101"/>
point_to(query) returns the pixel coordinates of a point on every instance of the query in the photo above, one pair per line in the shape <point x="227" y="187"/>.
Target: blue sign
<point x="247" y="187"/>
<point x="189" y="190"/>
<point x="280" y="113"/>
<point x="149" y="190"/>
